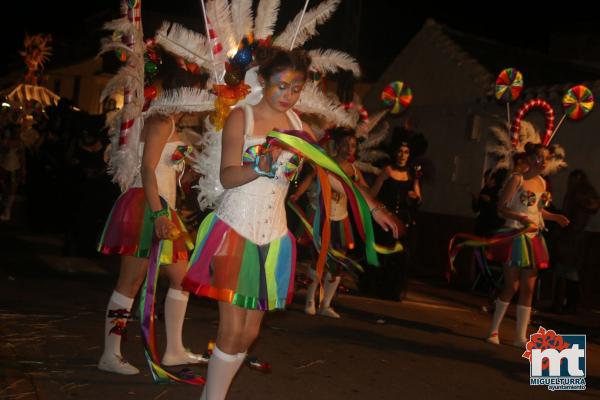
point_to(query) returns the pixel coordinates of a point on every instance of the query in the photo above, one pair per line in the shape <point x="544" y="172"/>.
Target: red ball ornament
<point x="150" y="92"/>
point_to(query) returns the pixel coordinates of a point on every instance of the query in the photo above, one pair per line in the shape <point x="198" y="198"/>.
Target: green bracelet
<point x="160" y="213"/>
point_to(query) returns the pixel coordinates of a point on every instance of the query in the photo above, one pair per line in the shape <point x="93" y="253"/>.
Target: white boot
<point x="309" y="307"/>
<point x="523" y="314"/>
<point x="222" y="367"/>
<point x="175" y="353"/>
<point x="117" y="313"/>
<point x="499" y="312"/>
<point x="330" y="287"/>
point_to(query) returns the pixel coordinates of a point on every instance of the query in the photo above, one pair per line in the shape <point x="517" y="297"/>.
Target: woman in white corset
<point x="245" y="255"/>
<point x="521" y="203"/>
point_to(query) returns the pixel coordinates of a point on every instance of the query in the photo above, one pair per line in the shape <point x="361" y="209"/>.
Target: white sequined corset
<point x="166" y="173"/>
<point x="529" y="203"/>
<point x="256" y="210"/>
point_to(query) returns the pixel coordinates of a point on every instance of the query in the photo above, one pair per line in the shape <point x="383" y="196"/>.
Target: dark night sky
<point x="386" y="26"/>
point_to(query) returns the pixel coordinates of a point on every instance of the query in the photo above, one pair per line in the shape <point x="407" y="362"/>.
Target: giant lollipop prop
<point x="396" y="97"/>
<point x="577" y="104"/>
<point x="509" y="85"/>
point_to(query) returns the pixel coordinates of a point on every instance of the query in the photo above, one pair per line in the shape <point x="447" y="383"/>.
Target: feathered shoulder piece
<point x="181" y="100"/>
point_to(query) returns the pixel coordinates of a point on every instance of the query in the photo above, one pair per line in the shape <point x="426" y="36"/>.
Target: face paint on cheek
<point x="282" y="82"/>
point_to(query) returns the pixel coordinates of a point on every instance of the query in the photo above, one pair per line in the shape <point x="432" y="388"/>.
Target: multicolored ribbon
<point x="147" y="301"/>
<point x="291" y="167"/>
<point x="332" y="253"/>
<point x="471" y="240"/>
<point x="301" y="143"/>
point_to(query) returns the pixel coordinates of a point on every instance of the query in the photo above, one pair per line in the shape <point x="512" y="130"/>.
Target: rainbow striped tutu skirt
<point x="227" y="267"/>
<point x="129" y="230"/>
<point x="521" y="251"/>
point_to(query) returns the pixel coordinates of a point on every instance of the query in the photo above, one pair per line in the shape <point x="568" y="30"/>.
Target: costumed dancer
<point x="520" y="245"/>
<point x="245" y="255"/>
<point x="342" y="237"/>
<point x="522" y="203"/>
<point x="147" y="154"/>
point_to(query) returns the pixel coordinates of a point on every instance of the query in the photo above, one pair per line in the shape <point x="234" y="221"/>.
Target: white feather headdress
<point x="231" y="22"/>
<point x="503" y="151"/>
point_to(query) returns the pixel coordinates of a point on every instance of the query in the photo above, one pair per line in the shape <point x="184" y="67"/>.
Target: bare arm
<point x="361" y="180"/>
<point x="416" y="191"/>
<point x="233" y="173"/>
<point x="157" y="131"/>
<point x="380" y="214"/>
<point x="304" y="185"/>
<point x="558" y="218"/>
<point x="308" y="180"/>
<point x="505" y="197"/>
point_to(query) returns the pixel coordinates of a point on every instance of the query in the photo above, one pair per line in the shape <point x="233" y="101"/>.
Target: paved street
<point x="428" y="347"/>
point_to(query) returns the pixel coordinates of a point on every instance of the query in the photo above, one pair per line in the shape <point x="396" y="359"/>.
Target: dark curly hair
<point x="272" y="60"/>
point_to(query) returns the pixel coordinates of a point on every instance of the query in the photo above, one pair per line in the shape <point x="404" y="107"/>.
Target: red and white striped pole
<point x="213" y="40"/>
<point x="133" y="10"/>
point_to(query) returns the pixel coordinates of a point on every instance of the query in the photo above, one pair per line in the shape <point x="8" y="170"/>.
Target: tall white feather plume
<point x="124" y="159"/>
<point x="109" y="45"/>
<point x="266" y="17"/>
<point x="308" y="28"/>
<point x="219" y="13"/>
<point x="364" y="127"/>
<point x="122" y="25"/>
<point x="191" y="46"/>
<point x="330" y="61"/>
<point x="373" y="155"/>
<point x="124" y="163"/>
<point x="313" y="101"/>
<point x="126" y="77"/>
<point x="241" y="15"/>
<point x="208" y="164"/>
<point x="556" y="161"/>
<point x="501" y="134"/>
<point x="367" y="167"/>
<point x="503" y="150"/>
<point x="183" y="99"/>
<point x="376" y="138"/>
<point x="527" y="134"/>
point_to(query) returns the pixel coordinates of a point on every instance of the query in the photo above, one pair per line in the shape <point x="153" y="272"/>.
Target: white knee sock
<point x="523" y="314"/>
<point x="311" y="289"/>
<point x="501" y="308"/>
<point x="175" y="307"/>
<point x="330" y="287"/>
<point x="222" y="367"/>
<point x="117" y="313"/>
